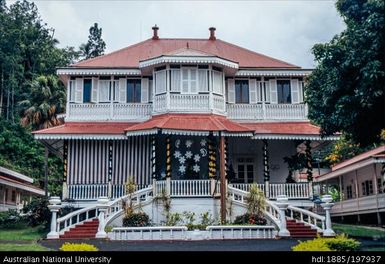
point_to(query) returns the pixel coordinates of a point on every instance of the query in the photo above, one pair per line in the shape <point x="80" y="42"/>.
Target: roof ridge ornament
<point x="212" y="33"/>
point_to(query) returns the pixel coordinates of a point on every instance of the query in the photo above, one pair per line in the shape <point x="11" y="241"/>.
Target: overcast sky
<point x="283" y="29"/>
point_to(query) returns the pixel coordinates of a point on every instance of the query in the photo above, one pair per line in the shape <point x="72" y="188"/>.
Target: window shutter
<point x="94" y="90"/>
<point x="273" y="91"/>
<point x="175" y="80"/>
<point x="294" y="91"/>
<point x="253" y="91"/>
<point x="300" y="91"/>
<point x="150" y="90"/>
<point x="79" y="90"/>
<point x="185" y="80"/>
<point x="202" y="77"/>
<point x="144" y="92"/>
<point x="259" y="92"/>
<point x="193" y="81"/>
<point x="231" y="91"/>
<point x="122" y="90"/>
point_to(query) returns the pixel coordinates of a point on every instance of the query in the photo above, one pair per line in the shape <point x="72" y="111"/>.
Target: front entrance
<point x="245" y="168"/>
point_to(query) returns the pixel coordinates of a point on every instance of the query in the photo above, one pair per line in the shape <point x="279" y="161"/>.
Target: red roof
<point x="284" y="128"/>
<point x="130" y="56"/>
<point x="87" y="128"/>
<point x="191" y="122"/>
<point x="377" y="152"/>
<point x="19" y="182"/>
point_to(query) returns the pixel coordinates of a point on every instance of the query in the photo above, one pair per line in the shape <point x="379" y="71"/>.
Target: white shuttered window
<point x="203" y="80"/>
<point x="217" y="82"/>
<point x="189" y="80"/>
<point x="71" y="90"/>
<point x="104" y="90"/>
<point x="175" y="80"/>
<point x="231" y="91"/>
<point x="160" y="82"/>
<point x="253" y="91"/>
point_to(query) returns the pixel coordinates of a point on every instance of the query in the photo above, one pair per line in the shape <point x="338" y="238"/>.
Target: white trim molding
<point x="16" y="174"/>
<point x="79" y="136"/>
<point x="275" y="73"/>
<point x="22" y="187"/>
<point x="294" y="137"/>
<point x="91" y="71"/>
<point x="188" y="59"/>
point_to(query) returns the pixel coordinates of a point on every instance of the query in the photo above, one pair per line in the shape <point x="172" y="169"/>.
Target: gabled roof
<point x="188" y="124"/>
<point x="130" y="56"/>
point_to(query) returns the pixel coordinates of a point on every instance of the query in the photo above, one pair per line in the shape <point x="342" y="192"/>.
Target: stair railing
<point x="307" y="217"/>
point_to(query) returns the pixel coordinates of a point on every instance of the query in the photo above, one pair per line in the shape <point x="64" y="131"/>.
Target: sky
<point x="283" y="29"/>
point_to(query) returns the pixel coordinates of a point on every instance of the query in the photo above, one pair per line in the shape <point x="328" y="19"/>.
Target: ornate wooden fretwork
<point x="212" y="156"/>
<point x="109" y="160"/>
<point x="65" y="160"/>
<point x="153" y="156"/>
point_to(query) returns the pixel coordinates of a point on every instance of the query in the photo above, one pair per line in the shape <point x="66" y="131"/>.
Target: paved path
<point x="212" y="245"/>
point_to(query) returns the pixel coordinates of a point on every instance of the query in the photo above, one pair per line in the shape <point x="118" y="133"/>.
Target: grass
<point x="25" y="234"/>
<point x="22" y="247"/>
<point x="22" y="239"/>
<point x="359" y="231"/>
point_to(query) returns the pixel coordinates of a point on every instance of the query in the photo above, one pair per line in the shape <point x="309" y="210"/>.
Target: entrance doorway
<point x="245" y="168"/>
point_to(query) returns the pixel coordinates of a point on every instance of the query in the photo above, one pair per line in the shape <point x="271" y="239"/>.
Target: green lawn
<point x="33" y="246"/>
<point x="25" y="234"/>
<point x="360" y="231"/>
<point x="23" y="239"/>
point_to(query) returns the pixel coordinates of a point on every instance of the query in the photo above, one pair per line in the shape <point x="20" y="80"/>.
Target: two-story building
<point x="181" y="113"/>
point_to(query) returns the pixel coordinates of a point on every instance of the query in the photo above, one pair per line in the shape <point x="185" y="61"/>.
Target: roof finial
<point x="155" y="32"/>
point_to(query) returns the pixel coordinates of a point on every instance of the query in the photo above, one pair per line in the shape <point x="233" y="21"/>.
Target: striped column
<point x="168" y="165"/>
<point x="212" y="157"/>
<point x="153" y="164"/>
<point x="110" y="148"/>
<point x="65" y="169"/>
<point x="309" y="159"/>
<point x="266" y="169"/>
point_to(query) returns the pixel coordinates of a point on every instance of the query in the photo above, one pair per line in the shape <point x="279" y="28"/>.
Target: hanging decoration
<point x="188" y="154"/>
<point x="177" y="154"/>
<point x="309" y="160"/>
<point x="189" y="143"/>
<point x="212" y="157"/>
<point x="153" y="156"/>
<point x="266" y="170"/>
<point x="168" y="156"/>
<point x="65" y="159"/>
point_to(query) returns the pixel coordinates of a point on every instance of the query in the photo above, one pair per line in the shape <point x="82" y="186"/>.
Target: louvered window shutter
<point x="94" y="90"/>
<point x="253" y="91"/>
<point x="259" y="92"/>
<point x="231" y="91"/>
<point x="79" y="90"/>
<point x="294" y="91"/>
<point x="273" y="91"/>
<point x="122" y="90"/>
<point x="185" y="81"/>
<point x="300" y="91"/>
<point x="144" y="92"/>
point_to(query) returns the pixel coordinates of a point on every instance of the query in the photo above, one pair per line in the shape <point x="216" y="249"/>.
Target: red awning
<point x="189" y="124"/>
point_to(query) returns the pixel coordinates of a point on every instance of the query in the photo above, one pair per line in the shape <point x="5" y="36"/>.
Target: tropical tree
<point x="95" y="45"/>
<point x="345" y="92"/>
<point x="46" y="102"/>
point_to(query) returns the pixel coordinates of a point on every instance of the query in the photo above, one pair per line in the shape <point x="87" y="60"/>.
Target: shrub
<point x="11" y="219"/>
<point x="339" y="243"/>
<point x="250" y="219"/>
<point x="78" y="247"/>
<point x="256" y="201"/>
<point x="206" y="219"/>
<point x="38" y="212"/>
<point x="173" y="219"/>
<point x="108" y="229"/>
<point x="136" y="220"/>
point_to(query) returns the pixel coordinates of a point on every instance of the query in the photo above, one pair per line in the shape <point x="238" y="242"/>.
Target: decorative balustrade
<point x="160" y="187"/>
<point x="304" y="216"/>
<point x="219" y="103"/>
<point x="246" y="186"/>
<point x="160" y="103"/>
<point x="70" y="220"/>
<point x="241" y="232"/>
<point x="108" y="111"/>
<point x="190" y="188"/>
<point x="149" y="233"/>
<point x="94" y="191"/>
<point x="267" y="111"/>
<point x="291" y="190"/>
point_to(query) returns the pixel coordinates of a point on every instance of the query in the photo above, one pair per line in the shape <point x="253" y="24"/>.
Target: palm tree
<point x="47" y="101"/>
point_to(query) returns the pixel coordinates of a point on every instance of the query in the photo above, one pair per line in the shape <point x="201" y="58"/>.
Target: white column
<point x="154" y="193"/>
<point x="282" y="203"/>
<point x="212" y="186"/>
<point x="327" y="205"/>
<point x="102" y="208"/>
<point x="168" y="186"/>
<point x="54" y="206"/>
<point x="65" y="190"/>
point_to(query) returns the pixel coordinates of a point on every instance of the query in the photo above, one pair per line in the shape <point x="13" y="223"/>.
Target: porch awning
<point x="287" y="130"/>
<point x="190" y="124"/>
<point x="85" y="130"/>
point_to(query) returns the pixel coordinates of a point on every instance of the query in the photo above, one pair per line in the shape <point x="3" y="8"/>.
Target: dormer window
<point x="241" y="91"/>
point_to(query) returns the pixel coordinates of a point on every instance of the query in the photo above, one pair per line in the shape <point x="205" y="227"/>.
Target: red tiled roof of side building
<point x="377" y="152"/>
<point x="285" y="128"/>
<point x="130" y="56"/>
<point x="19" y="182"/>
<point x="87" y="128"/>
<point x="191" y="122"/>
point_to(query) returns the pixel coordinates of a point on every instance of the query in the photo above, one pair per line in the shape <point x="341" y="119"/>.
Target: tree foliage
<point x="95" y="45"/>
<point x="346" y="91"/>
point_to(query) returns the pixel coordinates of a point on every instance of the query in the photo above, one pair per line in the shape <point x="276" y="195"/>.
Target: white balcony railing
<point x="267" y="111"/>
<point x="291" y="190"/>
<point x="108" y="111"/>
<point x="193" y="188"/>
